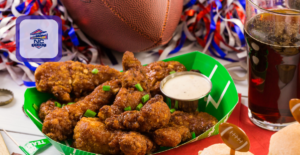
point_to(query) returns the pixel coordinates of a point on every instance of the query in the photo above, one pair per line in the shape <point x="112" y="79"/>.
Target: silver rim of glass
<point x="273" y="12"/>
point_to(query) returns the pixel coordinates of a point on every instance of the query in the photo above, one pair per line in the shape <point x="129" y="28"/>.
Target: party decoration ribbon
<point x="215" y="25"/>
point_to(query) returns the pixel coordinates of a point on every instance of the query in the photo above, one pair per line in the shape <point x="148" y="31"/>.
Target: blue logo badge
<point x="39" y="36"/>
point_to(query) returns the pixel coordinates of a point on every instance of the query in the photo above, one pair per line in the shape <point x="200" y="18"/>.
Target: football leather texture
<point x="126" y="25"/>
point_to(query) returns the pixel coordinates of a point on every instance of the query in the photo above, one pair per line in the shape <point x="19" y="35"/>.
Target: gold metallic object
<point x="6" y="92"/>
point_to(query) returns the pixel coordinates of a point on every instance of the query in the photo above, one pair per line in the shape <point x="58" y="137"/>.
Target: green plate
<point x="220" y="102"/>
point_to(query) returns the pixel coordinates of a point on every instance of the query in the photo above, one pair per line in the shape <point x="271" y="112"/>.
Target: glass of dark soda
<point x="272" y="31"/>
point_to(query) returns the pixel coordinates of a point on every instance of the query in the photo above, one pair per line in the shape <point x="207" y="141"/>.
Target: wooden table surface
<point x="20" y="127"/>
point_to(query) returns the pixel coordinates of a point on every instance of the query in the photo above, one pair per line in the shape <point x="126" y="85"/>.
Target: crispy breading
<point x="46" y="108"/>
<point x="49" y="106"/>
<point x="130" y="62"/>
<point x="154" y="114"/>
<point x="171" y="136"/>
<point x="59" y="124"/>
<point x="180" y="127"/>
<point x="71" y="79"/>
<point x="157" y="71"/>
<point x="197" y="122"/>
<point x="134" y="72"/>
<point x="91" y="135"/>
<point x="128" y="95"/>
<point x="125" y="98"/>
<point x="133" y="77"/>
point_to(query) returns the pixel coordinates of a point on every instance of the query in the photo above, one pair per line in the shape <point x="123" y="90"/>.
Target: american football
<point x="295" y="108"/>
<point x="130" y="25"/>
<point x="234" y="137"/>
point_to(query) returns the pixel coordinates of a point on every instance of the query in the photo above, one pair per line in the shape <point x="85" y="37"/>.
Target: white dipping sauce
<point x="186" y="87"/>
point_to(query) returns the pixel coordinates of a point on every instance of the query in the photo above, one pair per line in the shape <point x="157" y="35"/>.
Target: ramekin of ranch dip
<point x="185" y="89"/>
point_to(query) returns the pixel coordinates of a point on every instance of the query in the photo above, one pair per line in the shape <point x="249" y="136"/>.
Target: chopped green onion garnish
<point x="176" y="104"/>
<point x="70" y="103"/>
<point x="57" y="104"/>
<point x="139" y="87"/>
<point x="90" y="113"/>
<point x="35" y="107"/>
<point x="145" y="98"/>
<point x="127" y="108"/>
<point x="172" y="110"/>
<point x="169" y="102"/>
<point x="139" y="107"/>
<point x="172" y="72"/>
<point x="63" y="105"/>
<point x="95" y="71"/>
<point x="106" y="88"/>
<point x="193" y="135"/>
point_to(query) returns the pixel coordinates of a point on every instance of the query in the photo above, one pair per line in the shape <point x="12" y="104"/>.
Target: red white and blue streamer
<point x="215" y="25"/>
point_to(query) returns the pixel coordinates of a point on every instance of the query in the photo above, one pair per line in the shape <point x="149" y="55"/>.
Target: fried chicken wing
<point x="49" y="106"/>
<point x="46" y="108"/>
<point x="157" y="71"/>
<point x="197" y="122"/>
<point x="59" y="124"/>
<point x="78" y="99"/>
<point x="171" y="136"/>
<point x="130" y="62"/>
<point x="67" y="79"/>
<point x="128" y="95"/>
<point x="134" y="72"/>
<point x="180" y="127"/>
<point x="90" y="134"/>
<point x="153" y="115"/>
<point x="125" y="98"/>
<point x="133" y="77"/>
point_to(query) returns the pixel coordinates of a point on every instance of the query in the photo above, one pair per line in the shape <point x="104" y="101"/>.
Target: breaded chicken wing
<point x="59" y="124"/>
<point x="49" y="106"/>
<point x="157" y="71"/>
<point x="134" y="72"/>
<point x="171" y="136"/>
<point x="180" y="127"/>
<point x="132" y="77"/>
<point x="46" y="108"/>
<point x="128" y="95"/>
<point x="197" y="122"/>
<point x="130" y="62"/>
<point x="72" y="79"/>
<point x="125" y="98"/>
<point x="91" y="135"/>
<point x="154" y="114"/>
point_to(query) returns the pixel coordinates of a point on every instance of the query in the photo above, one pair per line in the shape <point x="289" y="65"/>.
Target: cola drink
<point x="273" y="40"/>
